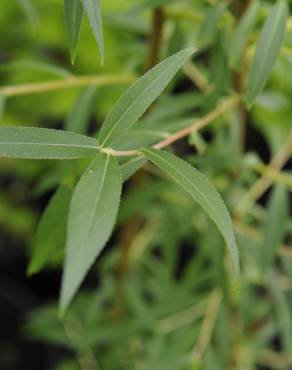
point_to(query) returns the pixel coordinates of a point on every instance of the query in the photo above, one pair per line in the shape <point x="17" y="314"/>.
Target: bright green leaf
<point x="92" y="216"/>
<point x="78" y="118"/>
<point x="267" y="51"/>
<point x="131" y="105"/>
<point x="93" y="11"/>
<point x="240" y="37"/>
<point x="51" y="232"/>
<point x="73" y="16"/>
<point x="41" y="143"/>
<point x="201" y="190"/>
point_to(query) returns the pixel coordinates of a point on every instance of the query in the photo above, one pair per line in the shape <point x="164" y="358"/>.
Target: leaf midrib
<point x="84" y="241"/>
<point x="49" y="144"/>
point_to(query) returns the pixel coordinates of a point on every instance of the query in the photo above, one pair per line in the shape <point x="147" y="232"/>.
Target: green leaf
<point x="274" y="228"/>
<point x="92" y="216"/>
<point x="201" y="190"/>
<point x="73" y="16"/>
<point x="29" y="11"/>
<point x="209" y="26"/>
<point x="131" y="105"/>
<point x="2" y="105"/>
<point x="79" y="116"/>
<point x="51" y="231"/>
<point x="41" y="143"/>
<point x="268" y="48"/>
<point x="239" y="39"/>
<point x="130" y="167"/>
<point x="92" y="8"/>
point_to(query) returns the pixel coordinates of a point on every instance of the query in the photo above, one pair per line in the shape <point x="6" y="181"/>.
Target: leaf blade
<point x="197" y="186"/>
<point x="50" y="233"/>
<point x="73" y="16"/>
<point x="239" y="39"/>
<point x="274" y="228"/>
<point x="92" y="216"/>
<point x="134" y="102"/>
<point x="93" y="11"/>
<point x="268" y="48"/>
<point x="41" y="143"/>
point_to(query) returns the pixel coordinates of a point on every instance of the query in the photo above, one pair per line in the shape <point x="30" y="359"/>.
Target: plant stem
<point x="156" y="35"/>
<point x="69" y="82"/>
<point x="194" y="127"/>
<point x="276" y="164"/>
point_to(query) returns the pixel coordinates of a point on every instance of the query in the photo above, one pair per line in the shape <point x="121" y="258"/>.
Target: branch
<point x="196" y="126"/>
<point x="69" y="82"/>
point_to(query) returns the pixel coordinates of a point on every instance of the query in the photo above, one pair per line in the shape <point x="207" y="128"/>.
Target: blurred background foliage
<point x="162" y="295"/>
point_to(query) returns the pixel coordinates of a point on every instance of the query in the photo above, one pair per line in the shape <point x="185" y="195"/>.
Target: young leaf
<point x="78" y="118"/>
<point x="268" y="48"/>
<point x="41" y="143"/>
<point x="51" y="231"/>
<point x="201" y="190"/>
<point x="73" y="16"/>
<point x="239" y="39"/>
<point x="92" y="216"/>
<point x="275" y="225"/>
<point x="209" y="26"/>
<point x="92" y="9"/>
<point x="131" y="105"/>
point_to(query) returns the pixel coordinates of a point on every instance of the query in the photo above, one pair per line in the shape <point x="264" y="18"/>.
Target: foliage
<point x="167" y="296"/>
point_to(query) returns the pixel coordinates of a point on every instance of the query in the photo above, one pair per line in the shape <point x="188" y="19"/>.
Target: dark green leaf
<point x="41" y="143"/>
<point x="267" y="51"/>
<point x="73" y="16"/>
<point x="51" y="232"/>
<point x="201" y="190"/>
<point x="140" y="96"/>
<point x="92" y="216"/>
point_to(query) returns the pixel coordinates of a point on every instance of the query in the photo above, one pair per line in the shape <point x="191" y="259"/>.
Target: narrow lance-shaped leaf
<point x="51" y="231"/>
<point x="275" y="225"/>
<point x="201" y="190"/>
<point x="268" y="48"/>
<point x="240" y="37"/>
<point x="134" y="102"/>
<point x="73" y="16"/>
<point x="92" y="216"/>
<point x="93" y="11"/>
<point x="41" y="143"/>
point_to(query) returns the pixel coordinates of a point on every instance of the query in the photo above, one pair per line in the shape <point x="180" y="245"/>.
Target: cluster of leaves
<point x="167" y="302"/>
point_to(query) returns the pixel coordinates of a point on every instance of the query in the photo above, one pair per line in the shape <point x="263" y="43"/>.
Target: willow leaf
<point x="267" y="51"/>
<point x="92" y="216"/>
<point x="51" y="231"/>
<point x="93" y="11"/>
<point x="41" y="143"/>
<point x="73" y="16"/>
<point x="201" y="190"/>
<point x="134" y="102"/>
